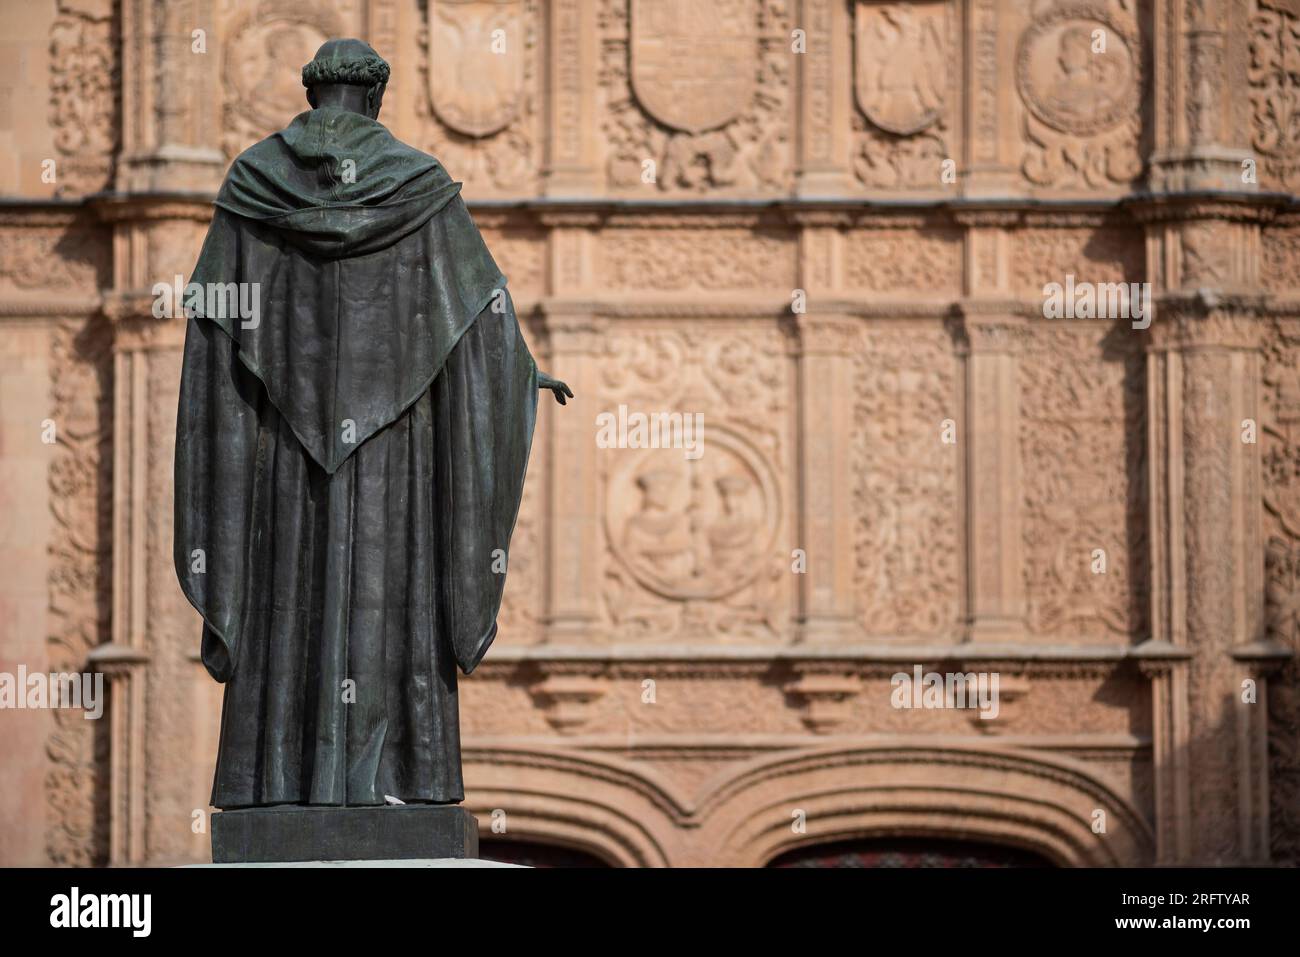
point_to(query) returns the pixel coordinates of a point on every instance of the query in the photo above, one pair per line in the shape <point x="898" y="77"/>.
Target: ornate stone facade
<point x="825" y="225"/>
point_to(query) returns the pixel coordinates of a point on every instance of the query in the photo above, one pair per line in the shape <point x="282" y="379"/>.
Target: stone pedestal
<point x="293" y="833"/>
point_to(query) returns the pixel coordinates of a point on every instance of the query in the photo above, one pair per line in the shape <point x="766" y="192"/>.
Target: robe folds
<point x="349" y="465"/>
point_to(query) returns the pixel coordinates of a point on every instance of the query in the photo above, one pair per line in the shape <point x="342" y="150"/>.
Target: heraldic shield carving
<point x="900" y="66"/>
<point x="476" y="63"/>
<point x="692" y="63"/>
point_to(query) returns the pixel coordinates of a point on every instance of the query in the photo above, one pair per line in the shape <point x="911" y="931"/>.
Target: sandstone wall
<point x="824" y="224"/>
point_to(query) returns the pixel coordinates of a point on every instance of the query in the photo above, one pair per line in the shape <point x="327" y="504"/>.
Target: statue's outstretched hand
<point x="558" y="388"/>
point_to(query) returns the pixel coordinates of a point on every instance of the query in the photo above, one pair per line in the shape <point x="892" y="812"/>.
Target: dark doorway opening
<point x="908" y="852"/>
<point x="536" y="854"/>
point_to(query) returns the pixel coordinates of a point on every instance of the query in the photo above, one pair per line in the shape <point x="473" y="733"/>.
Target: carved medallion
<point x="1077" y="70"/>
<point x="693" y="64"/>
<point x="263" y="56"/>
<point x="901" y="64"/>
<point x="694" y="528"/>
<point x="476" y="63"/>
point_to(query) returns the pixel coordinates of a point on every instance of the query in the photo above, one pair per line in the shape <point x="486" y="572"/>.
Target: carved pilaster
<point x="126" y="658"/>
<point x="571" y="247"/>
<point x="571" y="122"/>
<point x="171" y="121"/>
<point x="1165" y="665"/>
<point x="824" y="100"/>
<point x="1201" y="139"/>
<point x="153" y="241"/>
<point x="989" y="54"/>
<point x="85" y="101"/>
<point x="125" y="668"/>
<point x="573" y="533"/>
<point x="1207" y="565"/>
<point x="990" y="435"/>
<point x="824" y="348"/>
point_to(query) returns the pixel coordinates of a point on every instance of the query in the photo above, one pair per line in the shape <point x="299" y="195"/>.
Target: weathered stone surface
<point x="634" y="709"/>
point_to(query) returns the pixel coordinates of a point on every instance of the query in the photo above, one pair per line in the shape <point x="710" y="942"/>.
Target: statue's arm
<point x="558" y="388"/>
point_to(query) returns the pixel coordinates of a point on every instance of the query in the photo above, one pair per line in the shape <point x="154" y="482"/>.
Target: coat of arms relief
<point x="481" y="65"/>
<point x="262" y="96"/>
<point x="477" y="69"/>
<point x="696" y="96"/>
<point x="905" y="60"/>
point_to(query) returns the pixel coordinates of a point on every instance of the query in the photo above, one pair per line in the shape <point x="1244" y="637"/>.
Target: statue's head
<point x="347" y="73"/>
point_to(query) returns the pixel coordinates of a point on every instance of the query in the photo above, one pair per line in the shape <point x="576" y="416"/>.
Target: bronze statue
<point x="349" y="457"/>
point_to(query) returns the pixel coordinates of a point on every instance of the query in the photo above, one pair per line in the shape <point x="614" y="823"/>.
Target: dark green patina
<point x="349" y="465"/>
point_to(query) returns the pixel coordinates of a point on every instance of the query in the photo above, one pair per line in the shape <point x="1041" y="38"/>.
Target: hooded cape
<point x="350" y="458"/>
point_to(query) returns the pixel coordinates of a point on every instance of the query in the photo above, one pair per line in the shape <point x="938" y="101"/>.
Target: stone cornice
<point x="839" y="213"/>
<point x="1231" y="206"/>
<point x="43" y="306"/>
<point x="125" y="207"/>
<point x="858" y="652"/>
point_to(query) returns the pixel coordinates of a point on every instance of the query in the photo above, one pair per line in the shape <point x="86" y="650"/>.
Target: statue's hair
<point x="365" y="70"/>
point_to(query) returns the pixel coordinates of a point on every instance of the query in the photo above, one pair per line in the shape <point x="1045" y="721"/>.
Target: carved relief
<point x="476" y="75"/>
<point x="906" y="489"/>
<point x="900" y="71"/>
<point x="1079" y="71"/>
<point x="1274" y="76"/>
<point x="66" y="260"/>
<point x="1043" y="254"/>
<point x="84" y="96"/>
<point x="485" y="132"/>
<point x="694" y="528"/>
<point x="904" y="84"/>
<point x="724" y="258"/>
<point x="1279" y="267"/>
<point x="522" y="257"/>
<point x="1205" y="249"/>
<point x="1204" y="74"/>
<point x="1279" y="438"/>
<point x="691" y="63"/>
<point x="893" y="260"/>
<point x="700" y="90"/>
<point x="80" y="583"/>
<point x="1083" y="407"/>
<point x="263" y="51"/>
<point x="697" y="553"/>
<point x="695" y="542"/>
<point x="1280" y="458"/>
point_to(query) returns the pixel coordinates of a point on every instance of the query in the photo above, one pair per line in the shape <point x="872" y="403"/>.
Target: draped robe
<point x="349" y="465"/>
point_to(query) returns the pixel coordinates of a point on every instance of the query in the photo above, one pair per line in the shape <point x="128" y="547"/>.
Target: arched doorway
<point x="900" y="852"/>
